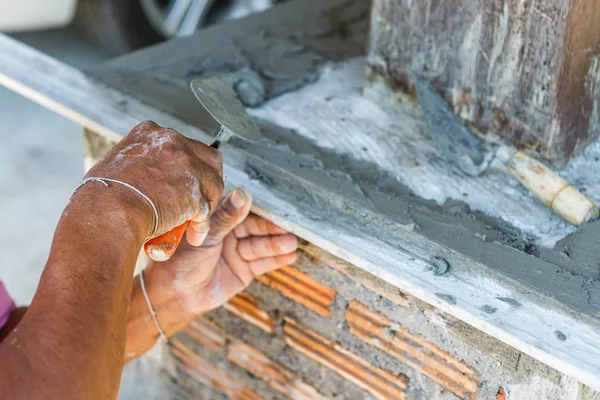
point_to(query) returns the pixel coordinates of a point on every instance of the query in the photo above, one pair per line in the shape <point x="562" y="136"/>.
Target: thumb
<point x="232" y="211"/>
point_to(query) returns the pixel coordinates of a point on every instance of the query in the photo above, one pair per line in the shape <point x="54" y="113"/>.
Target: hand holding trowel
<point x="465" y="150"/>
<point x="222" y="104"/>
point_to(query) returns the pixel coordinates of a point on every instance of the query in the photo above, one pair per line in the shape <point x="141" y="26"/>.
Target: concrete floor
<point x="41" y="161"/>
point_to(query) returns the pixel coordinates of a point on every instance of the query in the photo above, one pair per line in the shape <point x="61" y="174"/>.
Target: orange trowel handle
<point x="162" y="247"/>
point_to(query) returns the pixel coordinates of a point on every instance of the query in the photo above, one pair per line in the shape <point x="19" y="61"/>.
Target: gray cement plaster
<point x="261" y="56"/>
<point x="359" y="194"/>
<point x="277" y="49"/>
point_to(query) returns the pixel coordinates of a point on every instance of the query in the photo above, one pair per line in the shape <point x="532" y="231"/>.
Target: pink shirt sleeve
<point x="6" y="305"/>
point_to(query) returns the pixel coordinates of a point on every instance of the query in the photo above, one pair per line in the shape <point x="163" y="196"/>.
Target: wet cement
<point x="261" y="56"/>
<point x="271" y="53"/>
<point x="358" y="194"/>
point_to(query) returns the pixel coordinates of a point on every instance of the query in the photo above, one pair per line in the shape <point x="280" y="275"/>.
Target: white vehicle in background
<point x="125" y="25"/>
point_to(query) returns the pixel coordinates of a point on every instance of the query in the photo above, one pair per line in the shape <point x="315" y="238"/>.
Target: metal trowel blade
<point x="455" y="141"/>
<point x="222" y="103"/>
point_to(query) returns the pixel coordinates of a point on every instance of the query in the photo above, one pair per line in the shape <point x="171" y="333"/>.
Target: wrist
<point x="120" y="208"/>
<point x="171" y="313"/>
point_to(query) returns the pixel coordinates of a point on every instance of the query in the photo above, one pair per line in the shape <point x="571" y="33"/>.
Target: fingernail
<point x="238" y="198"/>
<point x="287" y="244"/>
<point x="195" y="238"/>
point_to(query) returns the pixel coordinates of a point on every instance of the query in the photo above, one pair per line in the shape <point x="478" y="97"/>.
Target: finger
<point x="256" y="247"/>
<point x="230" y="213"/>
<point x="257" y="226"/>
<point x="199" y="226"/>
<point x="196" y="236"/>
<point x="212" y="157"/>
<point x="211" y="185"/>
<point x="264" y="265"/>
<point x="237" y="264"/>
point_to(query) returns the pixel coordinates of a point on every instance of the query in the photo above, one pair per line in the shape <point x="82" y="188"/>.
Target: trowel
<point x="222" y="103"/>
<point x="466" y="152"/>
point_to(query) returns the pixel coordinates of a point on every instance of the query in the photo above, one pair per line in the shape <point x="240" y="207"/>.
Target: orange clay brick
<point x="501" y="394"/>
<point x="246" y="307"/>
<point x="252" y="360"/>
<point x="359" y="275"/>
<point x="301" y="288"/>
<point x="277" y="376"/>
<point x="209" y="375"/>
<point x="380" y="383"/>
<point x="206" y="333"/>
<point x="413" y="350"/>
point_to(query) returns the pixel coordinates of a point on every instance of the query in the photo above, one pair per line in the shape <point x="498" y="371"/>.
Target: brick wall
<point x="322" y="328"/>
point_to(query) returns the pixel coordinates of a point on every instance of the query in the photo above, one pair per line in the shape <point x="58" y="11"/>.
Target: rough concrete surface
<point x="322" y="150"/>
<point x="353" y="148"/>
<point x="41" y="158"/>
<point x="261" y="56"/>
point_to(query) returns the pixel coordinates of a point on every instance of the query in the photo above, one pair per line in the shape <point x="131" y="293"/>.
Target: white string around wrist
<point x="161" y="333"/>
<point x="138" y="191"/>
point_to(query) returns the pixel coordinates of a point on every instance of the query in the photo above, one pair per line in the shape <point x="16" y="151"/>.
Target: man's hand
<point x="238" y="248"/>
<point x="80" y="310"/>
<point x="183" y="177"/>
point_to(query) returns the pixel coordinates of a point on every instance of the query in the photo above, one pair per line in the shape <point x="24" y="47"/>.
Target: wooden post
<point x="526" y="71"/>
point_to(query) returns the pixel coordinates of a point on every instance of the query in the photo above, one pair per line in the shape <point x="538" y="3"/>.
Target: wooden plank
<point x="522" y="318"/>
<point x="526" y="71"/>
<point x="361" y="276"/>
<point x="585" y="393"/>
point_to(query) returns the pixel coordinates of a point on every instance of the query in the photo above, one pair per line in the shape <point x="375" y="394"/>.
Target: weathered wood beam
<point x="526" y="71"/>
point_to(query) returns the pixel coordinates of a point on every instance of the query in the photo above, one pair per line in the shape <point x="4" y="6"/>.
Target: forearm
<point x="70" y="343"/>
<point x="171" y="313"/>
